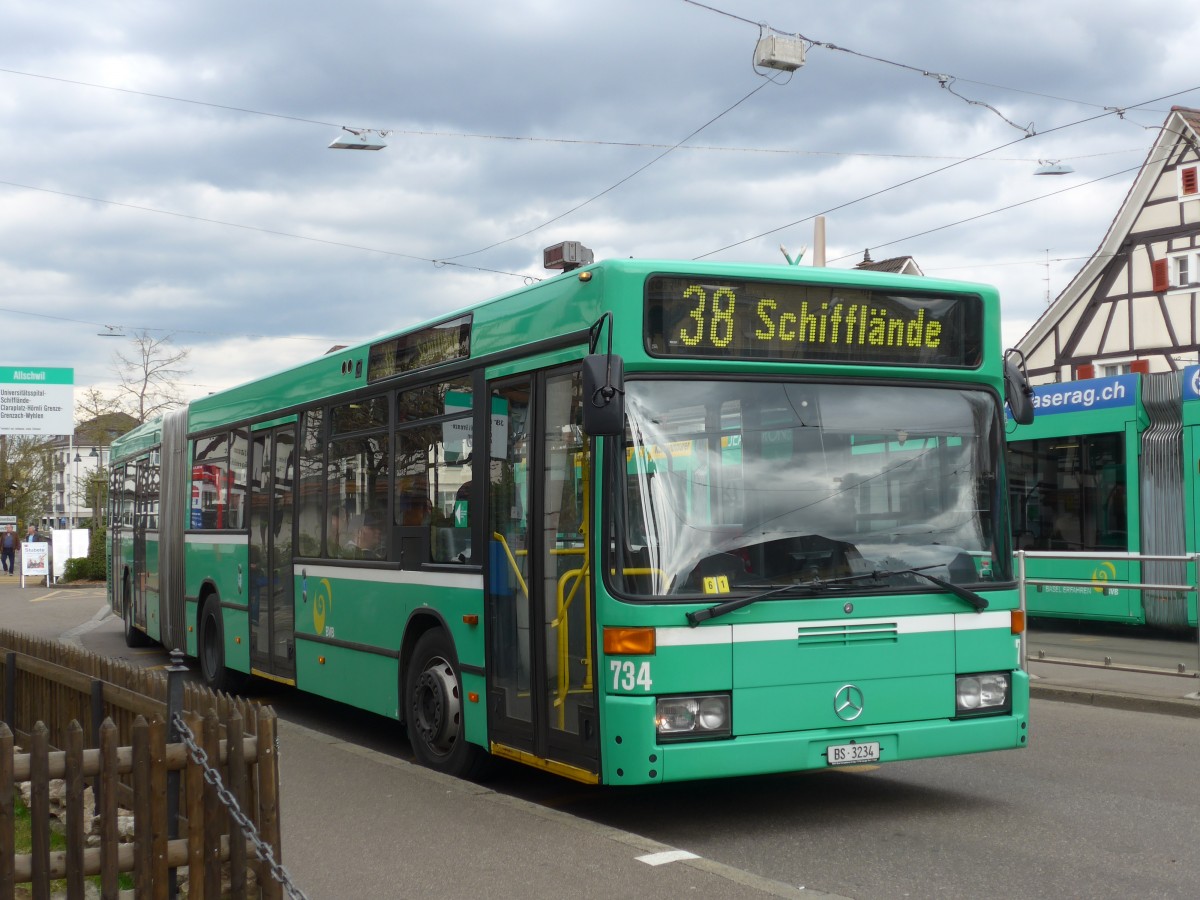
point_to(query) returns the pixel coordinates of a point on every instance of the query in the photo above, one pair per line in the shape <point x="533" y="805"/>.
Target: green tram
<point x="1110" y="465"/>
<point x="642" y="521"/>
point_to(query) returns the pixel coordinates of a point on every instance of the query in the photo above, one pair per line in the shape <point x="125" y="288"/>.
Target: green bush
<point x="92" y="567"/>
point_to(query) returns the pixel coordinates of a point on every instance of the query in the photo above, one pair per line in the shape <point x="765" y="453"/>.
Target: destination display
<point x="720" y="318"/>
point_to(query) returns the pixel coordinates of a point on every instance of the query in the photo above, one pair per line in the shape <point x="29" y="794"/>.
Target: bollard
<point x="175" y="672"/>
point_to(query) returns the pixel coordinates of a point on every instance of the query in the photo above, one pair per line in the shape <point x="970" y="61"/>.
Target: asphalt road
<point x="1103" y="803"/>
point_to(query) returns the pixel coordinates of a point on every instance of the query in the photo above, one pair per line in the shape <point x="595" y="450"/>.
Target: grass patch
<point x="23" y="843"/>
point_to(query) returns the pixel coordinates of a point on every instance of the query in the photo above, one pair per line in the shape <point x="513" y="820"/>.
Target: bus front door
<point x="542" y="695"/>
<point x="272" y="494"/>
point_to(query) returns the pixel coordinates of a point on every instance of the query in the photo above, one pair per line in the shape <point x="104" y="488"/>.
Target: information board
<point x="36" y="400"/>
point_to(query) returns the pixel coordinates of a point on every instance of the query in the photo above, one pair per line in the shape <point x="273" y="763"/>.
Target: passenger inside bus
<point x="369" y="542"/>
<point x="412" y="502"/>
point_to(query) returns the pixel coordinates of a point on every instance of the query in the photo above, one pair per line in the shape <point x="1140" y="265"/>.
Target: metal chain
<point x="261" y="849"/>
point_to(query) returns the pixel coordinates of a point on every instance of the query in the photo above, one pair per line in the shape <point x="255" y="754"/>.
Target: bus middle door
<point x="272" y="497"/>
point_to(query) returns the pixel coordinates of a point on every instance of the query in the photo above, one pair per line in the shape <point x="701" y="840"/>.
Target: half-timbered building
<point x="1135" y="304"/>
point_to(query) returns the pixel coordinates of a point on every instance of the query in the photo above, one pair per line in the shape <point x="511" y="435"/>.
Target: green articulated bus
<point x="1110" y="465"/>
<point x="642" y="521"/>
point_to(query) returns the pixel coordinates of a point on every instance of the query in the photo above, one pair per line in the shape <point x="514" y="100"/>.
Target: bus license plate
<point x="846" y="754"/>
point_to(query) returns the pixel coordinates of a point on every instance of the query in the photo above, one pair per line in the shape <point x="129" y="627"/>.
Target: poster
<point x="35" y="561"/>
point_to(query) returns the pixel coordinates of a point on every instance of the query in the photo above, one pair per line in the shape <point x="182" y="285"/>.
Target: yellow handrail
<point x="512" y="563"/>
<point x="564" y="650"/>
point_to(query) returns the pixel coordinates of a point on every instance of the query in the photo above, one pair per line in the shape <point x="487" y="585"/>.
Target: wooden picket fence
<point x="108" y="725"/>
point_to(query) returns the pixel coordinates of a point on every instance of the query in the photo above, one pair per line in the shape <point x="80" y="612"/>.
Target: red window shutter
<point x="1189" y="180"/>
<point x="1140" y="365"/>
<point x="1158" y="269"/>
<point x="1084" y="371"/>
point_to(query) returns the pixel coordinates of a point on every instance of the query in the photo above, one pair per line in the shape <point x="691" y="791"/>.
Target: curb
<point x="1113" y="700"/>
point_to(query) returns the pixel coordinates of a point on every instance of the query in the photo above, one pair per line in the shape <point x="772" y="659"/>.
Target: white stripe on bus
<point x="789" y="631"/>
<point x="239" y="539"/>
<point x="465" y="580"/>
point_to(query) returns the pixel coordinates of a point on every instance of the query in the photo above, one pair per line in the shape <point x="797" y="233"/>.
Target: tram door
<point x="272" y="498"/>
<point x="542" y="697"/>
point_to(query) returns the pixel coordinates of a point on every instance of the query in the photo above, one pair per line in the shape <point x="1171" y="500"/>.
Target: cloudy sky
<point x="165" y="167"/>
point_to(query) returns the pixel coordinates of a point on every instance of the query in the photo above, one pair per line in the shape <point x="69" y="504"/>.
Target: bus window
<point x="210" y="461"/>
<point x="239" y="455"/>
<point x="434" y="446"/>
<point x="310" y="500"/>
<point x="356" y="481"/>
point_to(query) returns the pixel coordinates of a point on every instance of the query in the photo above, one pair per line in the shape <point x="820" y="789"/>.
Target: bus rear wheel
<point x="134" y="636"/>
<point x="433" y="710"/>
<point x="212" y="652"/>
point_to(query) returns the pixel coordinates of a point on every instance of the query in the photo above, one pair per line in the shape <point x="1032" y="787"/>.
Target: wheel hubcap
<point x="436" y="707"/>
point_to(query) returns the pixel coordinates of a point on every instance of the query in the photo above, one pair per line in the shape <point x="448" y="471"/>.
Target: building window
<point x="1185" y="270"/>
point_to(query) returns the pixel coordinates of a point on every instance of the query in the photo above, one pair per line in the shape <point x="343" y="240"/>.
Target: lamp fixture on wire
<point x="359" y="139"/>
<point x="1052" y="167"/>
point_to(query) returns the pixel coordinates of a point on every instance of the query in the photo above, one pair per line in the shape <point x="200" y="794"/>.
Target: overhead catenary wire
<point x="536" y="139"/>
<point x="529" y="278"/>
<point x="259" y="229"/>
<point x="1120" y="111"/>
<point x="993" y="212"/>
<point x="622" y="181"/>
<point x="944" y="80"/>
<point x="939" y="170"/>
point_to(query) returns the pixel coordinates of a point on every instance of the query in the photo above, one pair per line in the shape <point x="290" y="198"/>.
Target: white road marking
<point x="667" y="856"/>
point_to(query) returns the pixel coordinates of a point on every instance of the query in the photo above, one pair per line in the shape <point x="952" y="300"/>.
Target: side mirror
<point x="603" y="394"/>
<point x="1017" y="391"/>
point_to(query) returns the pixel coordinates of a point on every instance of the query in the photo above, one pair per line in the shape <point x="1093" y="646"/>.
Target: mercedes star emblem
<point x="848" y="702"/>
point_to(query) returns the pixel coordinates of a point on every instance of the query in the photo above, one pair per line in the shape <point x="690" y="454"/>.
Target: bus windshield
<point x="741" y="486"/>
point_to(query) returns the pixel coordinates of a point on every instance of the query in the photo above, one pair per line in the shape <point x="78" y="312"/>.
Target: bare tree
<point x="149" y="373"/>
<point x="93" y="403"/>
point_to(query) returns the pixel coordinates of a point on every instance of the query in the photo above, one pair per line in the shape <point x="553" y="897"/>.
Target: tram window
<point x="1069" y="493"/>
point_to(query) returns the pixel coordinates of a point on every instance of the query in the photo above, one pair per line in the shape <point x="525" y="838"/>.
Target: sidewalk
<point x="1115" y="687"/>
<point x="362" y="823"/>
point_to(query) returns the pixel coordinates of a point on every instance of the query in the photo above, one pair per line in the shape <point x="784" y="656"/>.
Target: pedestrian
<point x="8" y="549"/>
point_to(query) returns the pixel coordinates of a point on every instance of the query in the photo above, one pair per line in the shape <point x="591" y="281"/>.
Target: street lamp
<point x="72" y="495"/>
<point x="101" y="477"/>
<point x="1052" y="167"/>
<point x="359" y="139"/>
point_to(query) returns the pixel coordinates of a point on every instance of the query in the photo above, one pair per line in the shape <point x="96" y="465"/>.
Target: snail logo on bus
<point x="766" y="320"/>
<point x="1101" y="575"/>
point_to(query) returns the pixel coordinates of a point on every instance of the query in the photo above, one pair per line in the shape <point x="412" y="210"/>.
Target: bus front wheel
<point x="433" y="709"/>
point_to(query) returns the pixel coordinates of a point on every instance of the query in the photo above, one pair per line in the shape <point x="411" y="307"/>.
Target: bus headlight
<point x="988" y="692"/>
<point x="693" y="718"/>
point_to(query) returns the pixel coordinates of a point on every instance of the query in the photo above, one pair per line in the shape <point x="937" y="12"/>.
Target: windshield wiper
<point x="817" y="585"/>
<point x="972" y="598"/>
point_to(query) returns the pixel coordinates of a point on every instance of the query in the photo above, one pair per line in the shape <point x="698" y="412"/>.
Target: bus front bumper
<point x="632" y="754"/>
